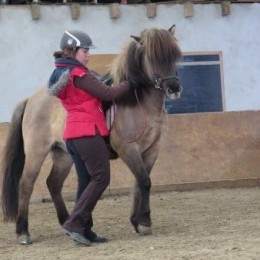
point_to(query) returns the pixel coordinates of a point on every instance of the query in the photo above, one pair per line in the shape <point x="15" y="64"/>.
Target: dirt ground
<point x="205" y="224"/>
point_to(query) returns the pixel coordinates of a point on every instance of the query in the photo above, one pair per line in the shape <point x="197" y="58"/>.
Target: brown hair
<point x="66" y="53"/>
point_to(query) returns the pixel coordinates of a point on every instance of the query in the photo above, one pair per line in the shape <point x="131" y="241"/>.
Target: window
<point x="201" y="77"/>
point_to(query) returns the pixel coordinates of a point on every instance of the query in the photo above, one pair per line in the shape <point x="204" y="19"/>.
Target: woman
<point x="81" y="94"/>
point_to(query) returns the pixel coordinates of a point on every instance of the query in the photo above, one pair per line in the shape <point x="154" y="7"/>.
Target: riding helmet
<point x="76" y="39"/>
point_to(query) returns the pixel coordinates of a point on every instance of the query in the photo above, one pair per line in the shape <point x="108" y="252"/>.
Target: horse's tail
<point x="13" y="163"/>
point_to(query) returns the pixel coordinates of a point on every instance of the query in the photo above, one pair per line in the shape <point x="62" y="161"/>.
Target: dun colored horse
<point x="37" y="124"/>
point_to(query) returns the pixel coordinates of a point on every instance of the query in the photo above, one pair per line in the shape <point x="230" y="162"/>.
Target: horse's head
<point x="170" y="85"/>
<point x="153" y="60"/>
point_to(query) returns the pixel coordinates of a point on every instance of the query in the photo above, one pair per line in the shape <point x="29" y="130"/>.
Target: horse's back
<point x="43" y="119"/>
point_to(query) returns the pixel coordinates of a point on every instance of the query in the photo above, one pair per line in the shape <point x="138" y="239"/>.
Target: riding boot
<point x="94" y="238"/>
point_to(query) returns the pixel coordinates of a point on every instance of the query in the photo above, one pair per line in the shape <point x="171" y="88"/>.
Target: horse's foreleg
<point x="62" y="164"/>
<point x="136" y="206"/>
<point x="140" y="216"/>
<point x="141" y="205"/>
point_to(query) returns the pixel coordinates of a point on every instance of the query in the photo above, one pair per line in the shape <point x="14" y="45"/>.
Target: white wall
<point x="26" y="45"/>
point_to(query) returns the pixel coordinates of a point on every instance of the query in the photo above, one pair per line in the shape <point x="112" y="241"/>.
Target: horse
<point x="149" y="62"/>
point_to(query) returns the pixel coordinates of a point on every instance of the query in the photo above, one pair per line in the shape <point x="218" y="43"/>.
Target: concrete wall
<point x="27" y="45"/>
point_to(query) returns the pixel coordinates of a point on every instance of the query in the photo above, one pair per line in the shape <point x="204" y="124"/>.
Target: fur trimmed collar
<point x="60" y="84"/>
<point x="59" y="78"/>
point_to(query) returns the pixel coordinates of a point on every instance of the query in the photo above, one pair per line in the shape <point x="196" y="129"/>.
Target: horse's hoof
<point x="144" y="230"/>
<point x="24" y="240"/>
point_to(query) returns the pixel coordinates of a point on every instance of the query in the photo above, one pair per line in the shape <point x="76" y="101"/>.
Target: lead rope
<point x="144" y="126"/>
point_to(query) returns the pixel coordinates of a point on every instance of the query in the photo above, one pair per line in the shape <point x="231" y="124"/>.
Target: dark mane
<point x="135" y="73"/>
<point x="161" y="48"/>
<point x="158" y="48"/>
<point x="135" y="65"/>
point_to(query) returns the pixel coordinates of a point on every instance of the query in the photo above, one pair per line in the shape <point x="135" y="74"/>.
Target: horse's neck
<point x="151" y="106"/>
<point x="154" y="102"/>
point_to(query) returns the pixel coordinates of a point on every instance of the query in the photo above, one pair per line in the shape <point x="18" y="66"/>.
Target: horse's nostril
<point x="176" y="89"/>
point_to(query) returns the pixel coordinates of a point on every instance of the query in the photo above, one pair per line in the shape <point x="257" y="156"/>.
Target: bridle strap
<point x="158" y="80"/>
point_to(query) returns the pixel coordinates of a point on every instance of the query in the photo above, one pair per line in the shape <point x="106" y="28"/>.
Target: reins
<point x="158" y="80"/>
<point x="144" y="125"/>
<point x="157" y="85"/>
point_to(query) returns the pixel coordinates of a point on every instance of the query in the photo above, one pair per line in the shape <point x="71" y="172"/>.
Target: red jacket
<point x="84" y="112"/>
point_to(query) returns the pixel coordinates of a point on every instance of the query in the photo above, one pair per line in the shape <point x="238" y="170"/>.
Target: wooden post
<point x="114" y="11"/>
<point x="35" y="11"/>
<point x="75" y="11"/>
<point x="151" y="10"/>
<point x="226" y="8"/>
<point x="188" y="9"/>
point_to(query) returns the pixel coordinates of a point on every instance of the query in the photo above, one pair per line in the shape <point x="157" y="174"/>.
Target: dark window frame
<point x="201" y="74"/>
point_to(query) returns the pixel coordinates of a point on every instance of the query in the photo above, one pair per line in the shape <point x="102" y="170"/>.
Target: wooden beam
<point x="114" y="11"/>
<point x="226" y="8"/>
<point x="151" y="10"/>
<point x="75" y="11"/>
<point x="35" y="11"/>
<point x="188" y="8"/>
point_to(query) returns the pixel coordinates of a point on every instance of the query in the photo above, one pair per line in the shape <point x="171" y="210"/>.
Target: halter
<point x="157" y="80"/>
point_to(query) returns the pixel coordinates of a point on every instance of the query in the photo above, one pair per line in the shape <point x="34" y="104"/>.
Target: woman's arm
<point x="95" y="87"/>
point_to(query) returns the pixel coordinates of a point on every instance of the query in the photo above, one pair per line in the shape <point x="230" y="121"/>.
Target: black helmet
<point x="74" y="39"/>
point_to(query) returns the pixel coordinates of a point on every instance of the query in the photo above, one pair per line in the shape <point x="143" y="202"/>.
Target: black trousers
<point x="83" y="176"/>
<point x="91" y="160"/>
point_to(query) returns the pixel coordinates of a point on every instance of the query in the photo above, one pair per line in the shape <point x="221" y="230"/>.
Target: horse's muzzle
<point x="175" y="89"/>
<point x="174" y="93"/>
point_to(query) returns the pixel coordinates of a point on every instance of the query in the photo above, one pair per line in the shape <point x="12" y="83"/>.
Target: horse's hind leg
<point x="31" y="171"/>
<point x="62" y="164"/>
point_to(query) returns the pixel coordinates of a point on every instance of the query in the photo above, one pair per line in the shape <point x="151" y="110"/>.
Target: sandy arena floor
<point x="207" y="224"/>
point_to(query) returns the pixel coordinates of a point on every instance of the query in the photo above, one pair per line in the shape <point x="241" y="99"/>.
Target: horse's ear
<point x="172" y="29"/>
<point x="136" y="38"/>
